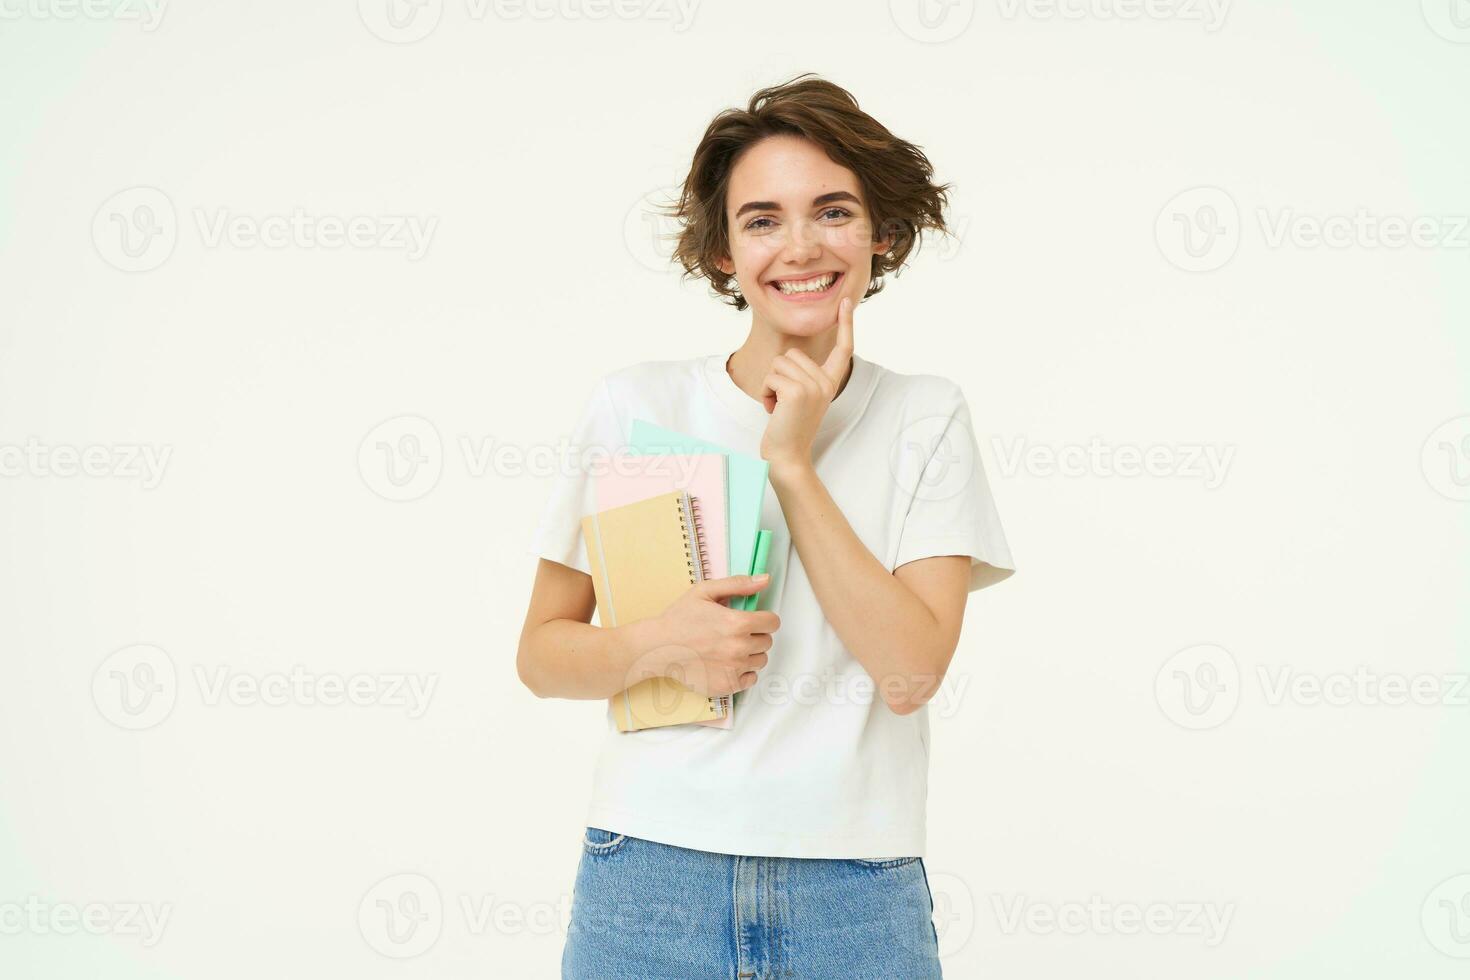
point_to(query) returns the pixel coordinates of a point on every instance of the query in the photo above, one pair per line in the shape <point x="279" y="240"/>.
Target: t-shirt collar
<point x="752" y="414"/>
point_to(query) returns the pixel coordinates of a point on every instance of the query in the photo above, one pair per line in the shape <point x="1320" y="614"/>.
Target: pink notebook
<point x="704" y="475"/>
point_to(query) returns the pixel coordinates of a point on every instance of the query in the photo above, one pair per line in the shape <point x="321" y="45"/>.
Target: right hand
<point x="709" y="647"/>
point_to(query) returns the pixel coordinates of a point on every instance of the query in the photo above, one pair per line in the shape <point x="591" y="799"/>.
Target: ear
<point x="726" y="266"/>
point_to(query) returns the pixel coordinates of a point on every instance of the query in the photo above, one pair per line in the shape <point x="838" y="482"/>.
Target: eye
<point x="756" y="225"/>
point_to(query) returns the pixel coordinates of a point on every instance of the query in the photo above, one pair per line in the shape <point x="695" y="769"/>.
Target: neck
<point x="750" y="364"/>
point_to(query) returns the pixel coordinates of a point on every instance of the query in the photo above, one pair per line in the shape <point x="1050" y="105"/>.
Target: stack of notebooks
<point x="675" y="512"/>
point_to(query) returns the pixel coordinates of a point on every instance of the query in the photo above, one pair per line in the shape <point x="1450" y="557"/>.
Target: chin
<point x="805" y="323"/>
<point x="805" y="328"/>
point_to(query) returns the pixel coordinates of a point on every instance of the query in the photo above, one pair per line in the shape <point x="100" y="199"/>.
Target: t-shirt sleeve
<point x="951" y="511"/>
<point x="598" y="434"/>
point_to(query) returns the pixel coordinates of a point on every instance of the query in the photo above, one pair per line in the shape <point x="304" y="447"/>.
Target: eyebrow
<point x="773" y="206"/>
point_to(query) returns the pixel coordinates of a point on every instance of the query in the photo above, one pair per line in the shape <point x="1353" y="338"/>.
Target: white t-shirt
<point x="816" y="764"/>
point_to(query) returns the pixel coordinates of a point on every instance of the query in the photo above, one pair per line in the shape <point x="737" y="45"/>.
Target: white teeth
<point x="809" y="286"/>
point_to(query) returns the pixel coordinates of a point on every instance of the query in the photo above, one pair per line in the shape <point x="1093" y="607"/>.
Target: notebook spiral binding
<point x="693" y="523"/>
<point x="698" y="519"/>
<point x="692" y="520"/>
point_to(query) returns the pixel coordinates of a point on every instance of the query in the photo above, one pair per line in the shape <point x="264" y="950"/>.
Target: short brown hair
<point x="896" y="178"/>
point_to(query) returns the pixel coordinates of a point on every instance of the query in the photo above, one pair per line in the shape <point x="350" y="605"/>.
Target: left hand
<point x="798" y="392"/>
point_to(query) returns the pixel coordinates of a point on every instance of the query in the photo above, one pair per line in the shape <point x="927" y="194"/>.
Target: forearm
<point x="564" y="658"/>
<point x="880" y="620"/>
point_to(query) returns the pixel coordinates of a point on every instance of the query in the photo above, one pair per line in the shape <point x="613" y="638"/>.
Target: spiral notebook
<point x="705" y="476"/>
<point x="643" y="556"/>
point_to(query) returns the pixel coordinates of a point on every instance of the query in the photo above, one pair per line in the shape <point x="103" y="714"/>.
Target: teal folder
<point x="748" y="476"/>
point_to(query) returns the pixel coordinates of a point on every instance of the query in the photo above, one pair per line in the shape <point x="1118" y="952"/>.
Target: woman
<point x="791" y="845"/>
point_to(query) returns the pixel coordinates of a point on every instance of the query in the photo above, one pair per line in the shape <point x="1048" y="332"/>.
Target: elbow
<point x="904" y="706"/>
<point x="532" y="683"/>
<point x="914" y="691"/>
<point x="907" y="698"/>
<point x="526" y="671"/>
<point x="527" y="678"/>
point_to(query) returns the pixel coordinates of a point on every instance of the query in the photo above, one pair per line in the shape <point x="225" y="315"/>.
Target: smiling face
<point x="800" y="235"/>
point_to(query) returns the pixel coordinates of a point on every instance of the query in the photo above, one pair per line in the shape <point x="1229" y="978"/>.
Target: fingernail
<point x="762" y="576"/>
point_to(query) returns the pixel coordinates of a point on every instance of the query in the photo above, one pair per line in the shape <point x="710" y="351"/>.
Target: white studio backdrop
<point x="296" y="300"/>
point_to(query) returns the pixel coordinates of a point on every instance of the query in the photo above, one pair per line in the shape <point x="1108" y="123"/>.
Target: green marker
<point x="758" y="567"/>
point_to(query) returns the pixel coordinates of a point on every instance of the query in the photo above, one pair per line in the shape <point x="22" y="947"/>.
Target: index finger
<point x="836" y="363"/>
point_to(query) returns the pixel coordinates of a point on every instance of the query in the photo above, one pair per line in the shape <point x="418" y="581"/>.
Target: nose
<point x="801" y="244"/>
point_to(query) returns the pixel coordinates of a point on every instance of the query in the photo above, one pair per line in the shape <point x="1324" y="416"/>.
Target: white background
<point x="1074" y="763"/>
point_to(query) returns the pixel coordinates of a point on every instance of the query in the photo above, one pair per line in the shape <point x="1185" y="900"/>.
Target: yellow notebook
<point x="643" y="556"/>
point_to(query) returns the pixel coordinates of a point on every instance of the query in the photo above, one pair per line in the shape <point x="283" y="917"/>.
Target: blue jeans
<point x="648" y="911"/>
